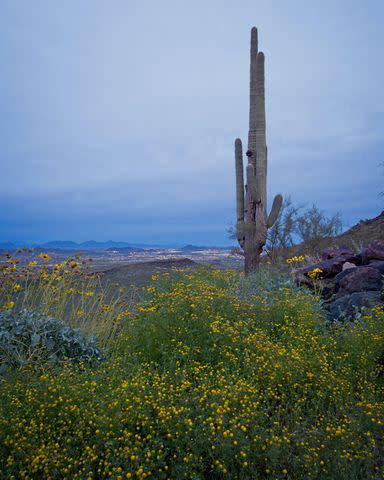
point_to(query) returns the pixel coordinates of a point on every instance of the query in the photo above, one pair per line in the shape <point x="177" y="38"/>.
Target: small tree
<point x="312" y="226"/>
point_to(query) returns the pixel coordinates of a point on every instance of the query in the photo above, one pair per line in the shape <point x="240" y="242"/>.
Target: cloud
<point x="128" y="112"/>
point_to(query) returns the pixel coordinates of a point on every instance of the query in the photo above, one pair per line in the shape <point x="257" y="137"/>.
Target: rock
<point x="332" y="252"/>
<point x="359" y="279"/>
<point x="327" y="288"/>
<point x="339" y="277"/>
<point x="346" y="306"/>
<point x="348" y="265"/>
<point x="375" y="250"/>
<point x="378" y="264"/>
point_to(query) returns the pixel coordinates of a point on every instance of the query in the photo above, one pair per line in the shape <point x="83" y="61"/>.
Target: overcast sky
<point x="118" y="117"/>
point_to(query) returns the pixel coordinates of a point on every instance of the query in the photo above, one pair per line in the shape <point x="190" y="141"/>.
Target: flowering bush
<point x="68" y="290"/>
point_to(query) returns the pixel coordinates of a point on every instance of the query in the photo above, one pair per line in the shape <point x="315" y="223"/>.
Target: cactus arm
<point x="275" y="210"/>
<point x="240" y="226"/>
<point x="239" y="179"/>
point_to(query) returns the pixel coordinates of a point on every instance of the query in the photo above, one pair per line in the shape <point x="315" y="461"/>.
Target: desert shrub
<point x="31" y="338"/>
<point x="266" y="280"/>
<point x="312" y="226"/>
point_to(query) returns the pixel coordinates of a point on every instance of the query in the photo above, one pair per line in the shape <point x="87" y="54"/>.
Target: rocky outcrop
<point x="348" y="281"/>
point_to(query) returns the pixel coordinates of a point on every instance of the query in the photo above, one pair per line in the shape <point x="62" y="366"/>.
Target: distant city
<point x="109" y="245"/>
<point x="111" y="253"/>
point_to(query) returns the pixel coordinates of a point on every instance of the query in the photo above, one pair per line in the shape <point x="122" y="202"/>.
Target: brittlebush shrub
<point x="68" y="291"/>
<point x="32" y="339"/>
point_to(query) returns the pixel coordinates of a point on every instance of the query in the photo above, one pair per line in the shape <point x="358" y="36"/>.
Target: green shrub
<point x="29" y="337"/>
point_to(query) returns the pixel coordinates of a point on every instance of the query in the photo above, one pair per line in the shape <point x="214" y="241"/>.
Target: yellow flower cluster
<point x="64" y="290"/>
<point x="315" y="273"/>
<point x="295" y="259"/>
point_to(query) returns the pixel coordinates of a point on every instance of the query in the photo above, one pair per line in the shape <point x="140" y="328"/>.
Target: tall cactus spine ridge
<point x="252" y="221"/>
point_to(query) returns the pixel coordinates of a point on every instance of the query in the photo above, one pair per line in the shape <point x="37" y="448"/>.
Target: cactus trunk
<point x="252" y="221"/>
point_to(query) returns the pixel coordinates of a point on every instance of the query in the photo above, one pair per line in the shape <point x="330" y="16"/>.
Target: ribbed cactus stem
<point x="253" y="94"/>
<point x="251" y="181"/>
<point x="252" y="221"/>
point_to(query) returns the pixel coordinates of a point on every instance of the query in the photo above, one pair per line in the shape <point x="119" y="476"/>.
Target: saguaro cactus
<point x="252" y="220"/>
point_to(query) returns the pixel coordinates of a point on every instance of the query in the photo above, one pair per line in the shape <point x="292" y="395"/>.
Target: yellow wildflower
<point x="315" y="273"/>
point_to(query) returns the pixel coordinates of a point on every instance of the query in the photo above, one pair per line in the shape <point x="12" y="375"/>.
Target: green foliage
<point x="212" y="378"/>
<point x="264" y="283"/>
<point x="31" y="338"/>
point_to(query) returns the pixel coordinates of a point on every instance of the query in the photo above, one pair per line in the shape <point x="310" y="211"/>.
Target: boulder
<point x="378" y="264"/>
<point x="332" y="252"/>
<point x="359" y="279"/>
<point x="375" y="250"/>
<point x="327" y="288"/>
<point x="337" y="279"/>
<point x="347" y="306"/>
<point x="348" y="265"/>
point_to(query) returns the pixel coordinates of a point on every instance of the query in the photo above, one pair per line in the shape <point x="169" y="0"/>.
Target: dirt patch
<point x="139" y="274"/>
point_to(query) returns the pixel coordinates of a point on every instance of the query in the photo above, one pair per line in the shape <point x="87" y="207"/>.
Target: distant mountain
<point x="110" y="244"/>
<point x="95" y="245"/>
<point x="191" y="248"/>
<point x="7" y="246"/>
<point x="88" y="245"/>
<point x="61" y="244"/>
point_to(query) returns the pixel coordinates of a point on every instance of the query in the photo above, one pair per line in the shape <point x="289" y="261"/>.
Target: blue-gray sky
<point x="117" y="118"/>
